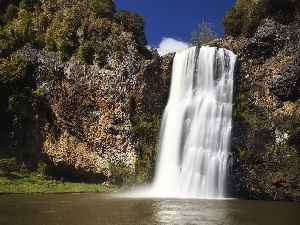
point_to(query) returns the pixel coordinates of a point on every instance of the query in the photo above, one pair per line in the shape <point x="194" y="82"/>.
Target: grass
<point x="16" y="183"/>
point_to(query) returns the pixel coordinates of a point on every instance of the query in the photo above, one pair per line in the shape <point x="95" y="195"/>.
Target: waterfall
<point x="196" y="125"/>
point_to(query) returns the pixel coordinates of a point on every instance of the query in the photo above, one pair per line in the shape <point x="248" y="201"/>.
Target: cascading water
<point x="196" y="127"/>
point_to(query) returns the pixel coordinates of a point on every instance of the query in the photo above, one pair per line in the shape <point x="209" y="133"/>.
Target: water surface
<point x="101" y="209"/>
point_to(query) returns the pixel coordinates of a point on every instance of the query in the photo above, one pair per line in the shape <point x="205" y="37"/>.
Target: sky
<point x="169" y="23"/>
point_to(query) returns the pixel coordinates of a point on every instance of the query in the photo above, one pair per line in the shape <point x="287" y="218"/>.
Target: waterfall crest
<point x="196" y="125"/>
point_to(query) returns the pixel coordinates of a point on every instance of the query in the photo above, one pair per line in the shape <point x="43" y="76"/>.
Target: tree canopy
<point x="203" y="35"/>
<point x="244" y="18"/>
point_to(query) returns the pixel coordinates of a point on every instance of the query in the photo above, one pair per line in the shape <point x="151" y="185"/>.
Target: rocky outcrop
<point x="92" y="112"/>
<point x="265" y="158"/>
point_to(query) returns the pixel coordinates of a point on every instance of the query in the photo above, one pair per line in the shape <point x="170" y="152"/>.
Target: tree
<point x="134" y="23"/>
<point x="203" y="35"/>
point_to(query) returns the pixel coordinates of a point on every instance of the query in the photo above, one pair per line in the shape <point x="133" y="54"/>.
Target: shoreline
<point x="33" y="185"/>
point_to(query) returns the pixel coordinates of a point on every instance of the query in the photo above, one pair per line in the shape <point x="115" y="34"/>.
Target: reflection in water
<point x="190" y="212"/>
<point x="94" y="209"/>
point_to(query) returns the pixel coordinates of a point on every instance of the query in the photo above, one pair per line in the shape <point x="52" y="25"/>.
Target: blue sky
<point x="174" y="20"/>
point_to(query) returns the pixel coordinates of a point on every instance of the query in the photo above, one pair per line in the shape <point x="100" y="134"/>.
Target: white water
<point x="196" y="127"/>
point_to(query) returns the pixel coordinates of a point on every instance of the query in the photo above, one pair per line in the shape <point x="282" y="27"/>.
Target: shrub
<point x="245" y="111"/>
<point x="61" y="34"/>
<point x="85" y="53"/>
<point x="8" y="165"/>
<point x="11" y="13"/>
<point x="30" y="5"/>
<point x="204" y="34"/>
<point x="145" y="162"/>
<point x="13" y="69"/>
<point x="96" y="30"/>
<point x="41" y="170"/>
<point x="246" y="16"/>
<point x="291" y="126"/>
<point x="122" y="175"/>
<point x="101" y="8"/>
<point x="133" y="23"/>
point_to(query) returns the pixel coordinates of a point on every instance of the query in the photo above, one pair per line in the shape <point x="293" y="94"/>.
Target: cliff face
<point x="79" y="90"/>
<point x="265" y="155"/>
<point x="94" y="117"/>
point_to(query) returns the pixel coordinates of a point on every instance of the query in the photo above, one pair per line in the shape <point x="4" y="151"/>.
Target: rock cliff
<point x="94" y="114"/>
<point x="265" y="154"/>
<point x="80" y="90"/>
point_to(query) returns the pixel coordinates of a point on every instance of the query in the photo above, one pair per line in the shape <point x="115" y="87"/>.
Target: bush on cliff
<point x="64" y="25"/>
<point x="203" y="35"/>
<point x="244" y="18"/>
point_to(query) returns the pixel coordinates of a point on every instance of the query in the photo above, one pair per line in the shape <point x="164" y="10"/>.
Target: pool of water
<point x="101" y="209"/>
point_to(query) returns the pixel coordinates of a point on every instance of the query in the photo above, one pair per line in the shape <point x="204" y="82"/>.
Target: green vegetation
<point x="122" y="175"/>
<point x="85" y="53"/>
<point x="203" y="35"/>
<point x="17" y="183"/>
<point x="146" y="126"/>
<point x="291" y="126"/>
<point x="65" y="25"/>
<point x="13" y="69"/>
<point x="244" y="111"/>
<point x="244" y="18"/>
<point x="15" y="178"/>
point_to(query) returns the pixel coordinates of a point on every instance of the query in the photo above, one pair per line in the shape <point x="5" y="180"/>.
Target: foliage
<point x="145" y="162"/>
<point x="203" y="35"/>
<point x="8" y="166"/>
<point x="13" y="69"/>
<point x="41" y="170"/>
<point x="11" y="13"/>
<point x="61" y="34"/>
<point x="146" y="126"/>
<point x="15" y="178"/>
<point x="57" y="24"/>
<point x="123" y="175"/>
<point x="31" y="184"/>
<point x="243" y="110"/>
<point x="96" y="30"/>
<point x="85" y="53"/>
<point x="100" y="9"/>
<point x="246" y="16"/>
<point x="291" y="126"/>
<point x="134" y="23"/>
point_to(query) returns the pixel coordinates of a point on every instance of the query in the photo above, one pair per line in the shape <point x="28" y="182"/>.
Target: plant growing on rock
<point x="13" y="69"/>
<point x="85" y="53"/>
<point x="133" y="23"/>
<point x="203" y="35"/>
<point x="244" y="18"/>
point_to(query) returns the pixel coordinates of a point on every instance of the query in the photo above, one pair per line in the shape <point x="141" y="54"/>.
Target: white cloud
<point x="168" y="45"/>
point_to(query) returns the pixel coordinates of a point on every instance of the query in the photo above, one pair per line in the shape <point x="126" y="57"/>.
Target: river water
<point x="101" y="209"/>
